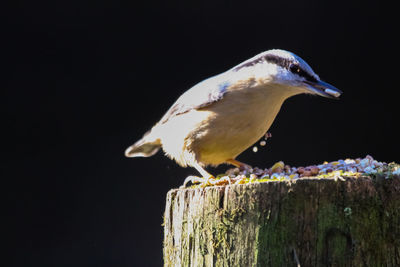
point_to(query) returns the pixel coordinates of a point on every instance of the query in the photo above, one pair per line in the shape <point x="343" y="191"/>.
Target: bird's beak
<point x="323" y="89"/>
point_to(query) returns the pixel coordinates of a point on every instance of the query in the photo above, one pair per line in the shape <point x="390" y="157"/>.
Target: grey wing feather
<point x="200" y="95"/>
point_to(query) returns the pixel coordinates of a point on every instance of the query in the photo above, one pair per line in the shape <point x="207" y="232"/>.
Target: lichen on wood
<point x="317" y="222"/>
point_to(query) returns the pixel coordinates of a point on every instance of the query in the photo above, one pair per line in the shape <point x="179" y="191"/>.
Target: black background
<point x="83" y="80"/>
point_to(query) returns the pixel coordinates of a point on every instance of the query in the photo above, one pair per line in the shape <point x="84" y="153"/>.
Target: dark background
<point x="83" y="80"/>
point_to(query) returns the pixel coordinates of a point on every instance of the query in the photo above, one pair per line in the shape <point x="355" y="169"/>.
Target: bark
<point x="313" y="222"/>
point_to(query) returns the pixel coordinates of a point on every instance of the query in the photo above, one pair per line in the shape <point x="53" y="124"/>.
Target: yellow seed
<point x="242" y="181"/>
<point x="334" y="163"/>
<point x="253" y="177"/>
<point x="277" y="165"/>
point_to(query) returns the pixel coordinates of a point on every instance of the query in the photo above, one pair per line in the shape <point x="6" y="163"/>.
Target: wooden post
<point x="313" y="222"/>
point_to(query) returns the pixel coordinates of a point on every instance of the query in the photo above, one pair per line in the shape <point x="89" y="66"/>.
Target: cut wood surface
<point x="313" y="222"/>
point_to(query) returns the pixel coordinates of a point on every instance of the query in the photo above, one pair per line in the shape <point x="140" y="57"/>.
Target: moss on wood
<point x="324" y="222"/>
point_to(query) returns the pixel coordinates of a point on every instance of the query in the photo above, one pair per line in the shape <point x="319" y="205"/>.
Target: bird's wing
<point x="199" y="96"/>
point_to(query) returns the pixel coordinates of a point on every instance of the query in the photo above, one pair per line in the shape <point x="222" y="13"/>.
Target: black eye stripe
<point x="294" y="68"/>
<point x="280" y="61"/>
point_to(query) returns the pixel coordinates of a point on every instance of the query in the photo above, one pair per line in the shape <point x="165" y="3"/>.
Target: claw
<point x="192" y="179"/>
<point x="204" y="182"/>
<point x="198" y="180"/>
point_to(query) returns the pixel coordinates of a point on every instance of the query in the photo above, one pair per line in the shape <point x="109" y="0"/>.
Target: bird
<point x="217" y="119"/>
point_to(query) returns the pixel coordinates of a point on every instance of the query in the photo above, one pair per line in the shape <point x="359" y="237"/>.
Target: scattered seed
<point x="337" y="170"/>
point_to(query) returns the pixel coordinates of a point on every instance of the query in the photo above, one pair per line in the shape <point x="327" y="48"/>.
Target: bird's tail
<point x="145" y="147"/>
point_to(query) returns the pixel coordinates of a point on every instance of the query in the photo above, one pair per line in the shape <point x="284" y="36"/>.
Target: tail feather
<point x="143" y="148"/>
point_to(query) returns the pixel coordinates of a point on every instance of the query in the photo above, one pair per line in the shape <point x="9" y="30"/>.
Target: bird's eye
<point x="295" y="69"/>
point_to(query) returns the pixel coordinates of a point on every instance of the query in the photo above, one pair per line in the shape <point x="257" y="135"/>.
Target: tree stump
<point x="313" y="222"/>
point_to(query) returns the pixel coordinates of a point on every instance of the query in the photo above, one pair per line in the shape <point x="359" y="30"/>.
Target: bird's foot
<point x="206" y="181"/>
<point x="193" y="180"/>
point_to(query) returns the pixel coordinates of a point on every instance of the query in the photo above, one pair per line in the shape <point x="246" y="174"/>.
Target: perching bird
<point x="220" y="117"/>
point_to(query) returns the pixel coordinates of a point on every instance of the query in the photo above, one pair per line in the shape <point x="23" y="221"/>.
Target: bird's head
<point x="285" y="68"/>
